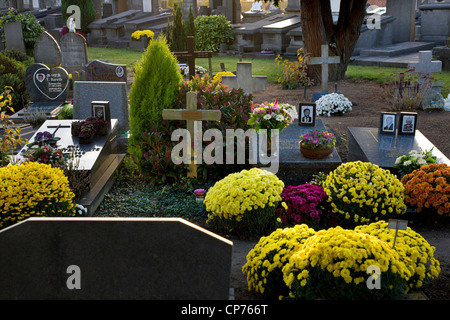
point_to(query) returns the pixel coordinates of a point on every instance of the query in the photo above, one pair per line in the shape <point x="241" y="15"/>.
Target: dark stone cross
<point x="190" y="55"/>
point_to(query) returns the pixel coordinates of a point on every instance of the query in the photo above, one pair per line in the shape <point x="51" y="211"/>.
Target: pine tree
<point x="177" y="32"/>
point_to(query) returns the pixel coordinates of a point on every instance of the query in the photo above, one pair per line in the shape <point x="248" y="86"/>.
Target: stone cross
<point x="191" y="55"/>
<point x="325" y="60"/>
<point x="244" y="79"/>
<point x="426" y="66"/>
<point x="193" y="118"/>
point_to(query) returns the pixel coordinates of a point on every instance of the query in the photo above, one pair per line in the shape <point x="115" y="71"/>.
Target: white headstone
<point x="244" y="79"/>
<point x="256" y="6"/>
<point x="425" y="66"/>
<point x="324" y="61"/>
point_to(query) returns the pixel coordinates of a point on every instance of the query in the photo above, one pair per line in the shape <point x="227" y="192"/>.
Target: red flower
<point x="44" y="158"/>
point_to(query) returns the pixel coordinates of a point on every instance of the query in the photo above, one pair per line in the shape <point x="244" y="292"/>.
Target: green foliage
<point x="66" y="112"/>
<point x="12" y="73"/>
<point x="31" y="28"/>
<point x="211" y="31"/>
<point x="155" y="86"/>
<point x="176" y="32"/>
<point x="87" y="11"/>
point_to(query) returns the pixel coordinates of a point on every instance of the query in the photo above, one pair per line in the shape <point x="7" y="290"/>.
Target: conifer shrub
<point x="176" y="32"/>
<point x="12" y="73"/>
<point x="155" y="87"/>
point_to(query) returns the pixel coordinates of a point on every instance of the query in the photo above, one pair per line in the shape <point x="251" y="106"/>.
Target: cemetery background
<point x="369" y="100"/>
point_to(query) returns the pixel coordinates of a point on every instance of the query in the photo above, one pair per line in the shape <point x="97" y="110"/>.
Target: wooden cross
<point x="190" y="55"/>
<point x="325" y="60"/>
<point x="193" y="118"/>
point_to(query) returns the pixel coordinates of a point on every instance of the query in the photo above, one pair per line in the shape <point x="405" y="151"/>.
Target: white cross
<point x="324" y="60"/>
<point x="193" y="119"/>
<point x="426" y="66"/>
<point x="244" y="79"/>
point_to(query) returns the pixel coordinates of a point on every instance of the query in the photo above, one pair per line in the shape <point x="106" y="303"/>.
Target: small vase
<point x="267" y="150"/>
<point x="315" y="153"/>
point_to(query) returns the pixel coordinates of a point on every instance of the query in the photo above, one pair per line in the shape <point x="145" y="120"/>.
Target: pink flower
<point x="199" y="192"/>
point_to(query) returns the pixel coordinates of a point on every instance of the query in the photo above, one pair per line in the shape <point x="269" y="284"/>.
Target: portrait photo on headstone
<point x="100" y="109"/>
<point x="388" y="122"/>
<point x="307" y="114"/>
<point x="408" y="121"/>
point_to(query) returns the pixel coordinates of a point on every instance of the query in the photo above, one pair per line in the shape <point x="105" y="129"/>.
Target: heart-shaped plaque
<point x="45" y="84"/>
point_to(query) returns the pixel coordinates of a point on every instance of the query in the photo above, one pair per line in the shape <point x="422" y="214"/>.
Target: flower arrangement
<point x="44" y="138"/>
<point x="137" y="35"/>
<point x="429" y="188"/>
<point x="218" y="77"/>
<point x="45" y="154"/>
<point x="266" y="260"/>
<point x="87" y="133"/>
<point x="414" y="250"/>
<point x="244" y="203"/>
<point x="317" y="139"/>
<point x="198" y="70"/>
<point x="271" y="116"/>
<point x="33" y="189"/>
<point x="333" y="103"/>
<point x="304" y="204"/>
<point x="199" y="194"/>
<point x="414" y="160"/>
<point x="361" y="192"/>
<point x="334" y="264"/>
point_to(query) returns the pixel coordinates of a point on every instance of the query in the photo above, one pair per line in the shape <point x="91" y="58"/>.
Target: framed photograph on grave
<point x="307" y="114"/>
<point x="388" y="122"/>
<point x="407" y="123"/>
<point x="100" y="109"/>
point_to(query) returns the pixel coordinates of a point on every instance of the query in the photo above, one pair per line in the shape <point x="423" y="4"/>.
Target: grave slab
<point x="294" y="168"/>
<point x="368" y="145"/>
<point x="116" y="258"/>
<point x="100" y="157"/>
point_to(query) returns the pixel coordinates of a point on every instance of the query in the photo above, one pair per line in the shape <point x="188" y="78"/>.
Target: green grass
<point x="263" y="66"/>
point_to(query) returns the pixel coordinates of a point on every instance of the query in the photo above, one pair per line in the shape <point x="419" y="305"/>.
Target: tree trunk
<point x="318" y="28"/>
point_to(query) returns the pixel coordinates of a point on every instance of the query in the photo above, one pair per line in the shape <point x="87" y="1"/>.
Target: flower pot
<point x="86" y="140"/>
<point x="315" y="153"/>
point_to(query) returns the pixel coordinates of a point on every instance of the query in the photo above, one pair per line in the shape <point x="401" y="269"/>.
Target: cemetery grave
<point x="210" y="255"/>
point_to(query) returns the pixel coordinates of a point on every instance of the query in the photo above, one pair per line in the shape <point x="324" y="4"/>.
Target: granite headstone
<point x="14" y="36"/>
<point x="102" y="71"/>
<point x="368" y="145"/>
<point x="244" y="79"/>
<point x="47" y="50"/>
<point x="84" y="92"/>
<point x="113" y="258"/>
<point x="74" y="55"/>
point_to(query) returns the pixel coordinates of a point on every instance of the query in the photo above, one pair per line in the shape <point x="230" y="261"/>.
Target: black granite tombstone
<point x="294" y="168"/>
<point x="369" y="145"/>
